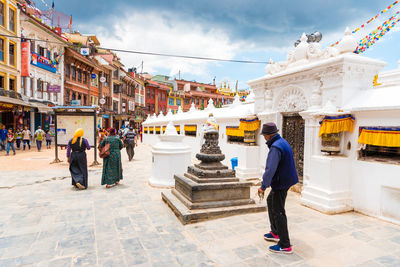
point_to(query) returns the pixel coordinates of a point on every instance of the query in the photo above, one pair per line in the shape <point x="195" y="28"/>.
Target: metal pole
<point x="95" y="162"/>
<point x="56" y="160"/>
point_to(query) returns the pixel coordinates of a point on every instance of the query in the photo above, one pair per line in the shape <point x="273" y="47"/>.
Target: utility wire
<point x="143" y="53"/>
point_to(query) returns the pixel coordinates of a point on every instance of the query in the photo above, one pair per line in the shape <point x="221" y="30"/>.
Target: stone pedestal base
<point x="186" y="216"/>
<point x="328" y="189"/>
<point x="248" y="168"/>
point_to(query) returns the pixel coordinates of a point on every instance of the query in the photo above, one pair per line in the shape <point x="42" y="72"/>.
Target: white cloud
<point x="162" y="32"/>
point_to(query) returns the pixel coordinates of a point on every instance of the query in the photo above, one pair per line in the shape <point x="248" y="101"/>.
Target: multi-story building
<point x="140" y="101"/>
<point x="128" y="98"/>
<point x="175" y="96"/>
<point x="12" y="106"/>
<point x="82" y="84"/>
<point x="200" y="93"/>
<point x="105" y="102"/>
<point x="42" y="80"/>
<point x="156" y="97"/>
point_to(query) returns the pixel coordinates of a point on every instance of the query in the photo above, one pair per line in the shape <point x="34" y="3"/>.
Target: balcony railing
<point x="10" y="93"/>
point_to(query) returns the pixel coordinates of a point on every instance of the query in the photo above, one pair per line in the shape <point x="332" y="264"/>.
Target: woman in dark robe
<point x="112" y="166"/>
<point x="77" y="159"/>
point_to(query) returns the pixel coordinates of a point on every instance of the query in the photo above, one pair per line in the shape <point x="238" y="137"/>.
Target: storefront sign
<point x="54" y="89"/>
<point x="25" y="58"/>
<point x="75" y="102"/>
<point x="93" y="76"/>
<point x="105" y="116"/>
<point x="43" y="63"/>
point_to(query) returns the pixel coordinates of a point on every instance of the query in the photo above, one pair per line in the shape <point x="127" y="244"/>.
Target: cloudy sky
<point x="230" y="29"/>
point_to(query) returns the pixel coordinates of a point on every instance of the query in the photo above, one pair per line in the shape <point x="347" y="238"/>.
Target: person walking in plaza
<point x="3" y="137"/>
<point x="26" y="137"/>
<point x="18" y="138"/>
<point x="10" y="141"/>
<point x="77" y="159"/>
<point x="280" y="174"/>
<point x="39" y="136"/>
<point x="112" y="165"/>
<point x="130" y="138"/>
<point x="48" y="139"/>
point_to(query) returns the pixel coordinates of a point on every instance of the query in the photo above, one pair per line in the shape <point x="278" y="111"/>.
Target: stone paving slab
<point x="50" y="223"/>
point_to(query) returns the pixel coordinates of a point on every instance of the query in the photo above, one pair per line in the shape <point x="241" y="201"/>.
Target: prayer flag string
<point x="370" y="20"/>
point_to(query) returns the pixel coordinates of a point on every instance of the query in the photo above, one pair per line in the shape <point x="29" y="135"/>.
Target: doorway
<point x="293" y="132"/>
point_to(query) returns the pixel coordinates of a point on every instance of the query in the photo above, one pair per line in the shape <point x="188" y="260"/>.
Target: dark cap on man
<point x="269" y="128"/>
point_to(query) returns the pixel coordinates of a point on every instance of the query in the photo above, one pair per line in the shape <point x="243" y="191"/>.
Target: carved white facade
<point x="314" y="83"/>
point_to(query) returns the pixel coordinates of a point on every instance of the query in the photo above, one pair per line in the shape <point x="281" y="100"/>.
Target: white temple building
<point x="338" y="111"/>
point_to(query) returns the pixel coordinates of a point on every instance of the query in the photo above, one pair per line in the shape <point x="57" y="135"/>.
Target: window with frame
<point x="187" y="101"/>
<point x="79" y="75"/>
<point x="67" y="71"/>
<point x="171" y="102"/>
<point x="197" y="101"/>
<point x="2" y="15"/>
<point x="39" y="88"/>
<point x="152" y="93"/>
<point x="11" y="84"/>
<point x="11" y="54"/>
<point x="73" y="73"/>
<point x="1" y="82"/>
<point x="42" y="51"/>
<point x="178" y="102"/>
<point x="148" y="93"/>
<point x="11" y="20"/>
<point x="84" y="76"/>
<point x="1" y="49"/>
<point x="159" y="96"/>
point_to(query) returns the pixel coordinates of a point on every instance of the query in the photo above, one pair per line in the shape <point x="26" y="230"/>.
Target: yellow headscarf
<point x="78" y="133"/>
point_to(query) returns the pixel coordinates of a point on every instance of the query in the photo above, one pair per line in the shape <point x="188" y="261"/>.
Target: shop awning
<point x="336" y="124"/>
<point x="42" y="108"/>
<point x="15" y="101"/>
<point x="380" y="136"/>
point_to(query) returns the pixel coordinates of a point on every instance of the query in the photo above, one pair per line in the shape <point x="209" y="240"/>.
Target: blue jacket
<point x="280" y="170"/>
<point x="3" y="134"/>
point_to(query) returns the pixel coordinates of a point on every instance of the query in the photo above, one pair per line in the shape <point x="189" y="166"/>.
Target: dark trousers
<point x="130" y="150"/>
<point x="48" y="143"/>
<point x="27" y="142"/>
<point x="3" y="144"/>
<point x="18" y="141"/>
<point x="277" y="216"/>
<point x="39" y="145"/>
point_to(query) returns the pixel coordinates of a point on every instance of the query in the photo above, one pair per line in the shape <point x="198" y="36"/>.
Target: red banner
<point x="25" y="58"/>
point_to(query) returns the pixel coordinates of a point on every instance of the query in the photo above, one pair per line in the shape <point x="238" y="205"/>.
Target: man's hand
<point x="69" y="160"/>
<point x="260" y="191"/>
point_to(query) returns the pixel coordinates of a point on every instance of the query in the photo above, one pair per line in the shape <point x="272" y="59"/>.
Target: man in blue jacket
<point x="280" y="173"/>
<point x="3" y="137"/>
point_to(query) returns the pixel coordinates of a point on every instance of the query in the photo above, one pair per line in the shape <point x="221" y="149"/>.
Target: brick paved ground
<point x="45" y="222"/>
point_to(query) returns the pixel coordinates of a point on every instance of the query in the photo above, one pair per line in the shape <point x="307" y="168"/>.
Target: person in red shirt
<point x="10" y="141"/>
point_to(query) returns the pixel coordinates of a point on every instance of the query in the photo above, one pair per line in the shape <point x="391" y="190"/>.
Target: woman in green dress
<point x="112" y="166"/>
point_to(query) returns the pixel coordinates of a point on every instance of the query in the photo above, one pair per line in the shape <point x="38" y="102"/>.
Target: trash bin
<point x="234" y="162"/>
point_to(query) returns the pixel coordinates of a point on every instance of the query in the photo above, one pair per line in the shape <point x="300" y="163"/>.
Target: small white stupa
<point x="170" y="156"/>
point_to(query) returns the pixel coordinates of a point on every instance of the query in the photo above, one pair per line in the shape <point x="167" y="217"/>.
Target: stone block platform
<point x="210" y="189"/>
